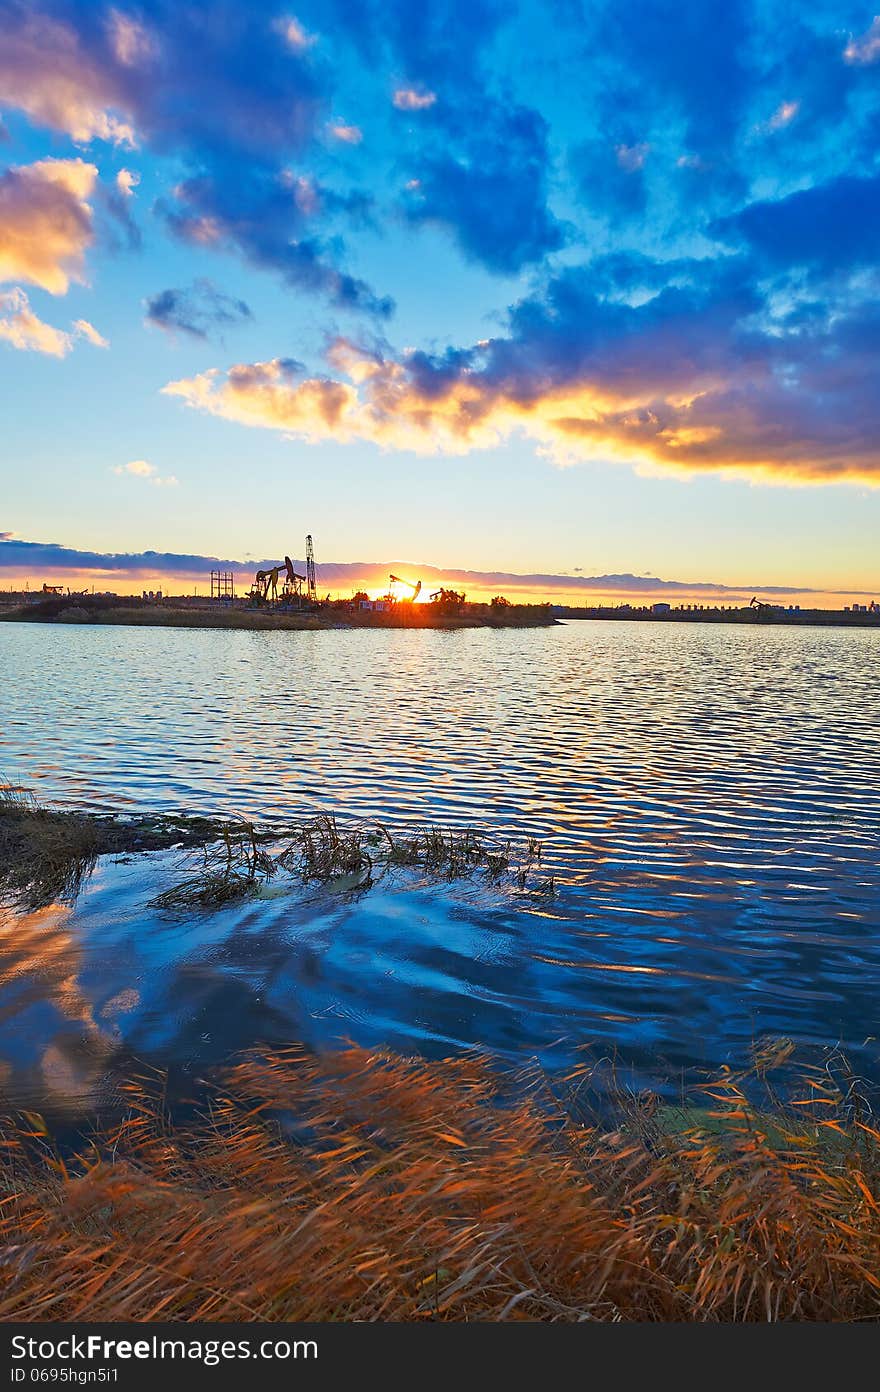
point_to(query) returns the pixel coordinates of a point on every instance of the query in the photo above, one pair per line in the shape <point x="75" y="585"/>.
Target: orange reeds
<point x="370" y="1186"/>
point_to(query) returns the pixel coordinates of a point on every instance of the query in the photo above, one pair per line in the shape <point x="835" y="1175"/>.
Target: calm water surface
<point x="708" y="799"/>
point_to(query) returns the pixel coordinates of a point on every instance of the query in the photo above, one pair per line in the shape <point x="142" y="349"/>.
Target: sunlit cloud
<point x="295" y="35"/>
<point x="22" y="329"/>
<point x="127" y="182"/>
<point x="46" y="222"/>
<point x="412" y="99"/>
<point x="131" y="41"/>
<point x="140" y="468"/>
<point x="866" y="48"/>
<point x="682" y="391"/>
<point x="783" y="115"/>
<point x="46" y="72"/>
<point x="348" y="134"/>
<point x="83" y="329"/>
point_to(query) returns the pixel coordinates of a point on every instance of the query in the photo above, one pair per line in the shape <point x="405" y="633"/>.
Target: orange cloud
<point x="46" y="222"/>
<point x="22" y="329"/>
<point x="727" y="424"/>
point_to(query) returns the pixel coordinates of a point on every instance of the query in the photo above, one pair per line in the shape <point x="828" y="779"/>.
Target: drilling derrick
<point x="311" y="580"/>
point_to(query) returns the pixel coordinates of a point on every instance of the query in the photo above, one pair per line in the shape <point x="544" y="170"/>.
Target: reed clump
<point x="344" y="858"/>
<point x="230" y="868"/>
<point x="367" y="1186"/>
<point x="46" y="854"/>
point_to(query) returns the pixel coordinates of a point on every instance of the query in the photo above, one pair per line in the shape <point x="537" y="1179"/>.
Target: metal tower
<point x="311" y="581"/>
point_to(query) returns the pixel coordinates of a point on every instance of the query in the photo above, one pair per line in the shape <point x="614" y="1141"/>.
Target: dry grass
<point x="345" y="858"/>
<point x="368" y="1186"/>
<point x="44" y="855"/>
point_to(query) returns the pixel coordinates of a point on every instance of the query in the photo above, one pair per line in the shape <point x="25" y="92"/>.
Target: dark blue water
<point x="708" y="799"/>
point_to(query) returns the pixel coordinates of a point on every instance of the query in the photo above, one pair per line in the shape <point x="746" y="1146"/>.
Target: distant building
<point x="661" y="608"/>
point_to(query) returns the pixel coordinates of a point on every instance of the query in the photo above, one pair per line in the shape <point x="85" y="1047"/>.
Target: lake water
<point x="708" y="798"/>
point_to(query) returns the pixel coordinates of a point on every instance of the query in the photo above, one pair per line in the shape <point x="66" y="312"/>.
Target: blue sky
<point x="561" y="289"/>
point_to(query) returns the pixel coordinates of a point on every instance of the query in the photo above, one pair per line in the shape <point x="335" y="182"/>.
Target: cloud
<point x="830" y="227"/>
<point x="196" y="311"/>
<point x="46" y="222"/>
<point x="269" y="394"/>
<point x="47" y="72"/>
<point x="83" y="329"/>
<point x="140" y="468"/>
<point x="271" y="219"/>
<point x="20" y="556"/>
<point x="234" y="119"/>
<point x="783" y="115"/>
<point x="865" y="49"/>
<point x="131" y="41"/>
<point x="294" y="35"/>
<point x="632" y="157"/>
<point x="474" y="160"/>
<point x="348" y="134"/>
<point x="409" y="99"/>
<point x="127" y="182"/>
<point x="486" y="183"/>
<point x="119" y="75"/>
<point x="117" y="200"/>
<point x="695" y="376"/>
<point x="22" y="329"/>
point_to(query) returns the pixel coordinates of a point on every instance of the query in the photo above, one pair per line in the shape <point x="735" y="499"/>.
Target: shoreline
<point x="141" y="614"/>
<point x="132" y="613"/>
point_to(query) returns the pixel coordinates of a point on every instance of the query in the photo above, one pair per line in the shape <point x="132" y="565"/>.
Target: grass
<point x="344" y="859"/>
<point x="46" y="854"/>
<point x="366" y="1186"/>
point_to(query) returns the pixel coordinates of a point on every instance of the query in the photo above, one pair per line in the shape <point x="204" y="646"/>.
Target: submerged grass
<point x="46" y="854"/>
<point x="364" y="1186"/>
<point x="352" y="858"/>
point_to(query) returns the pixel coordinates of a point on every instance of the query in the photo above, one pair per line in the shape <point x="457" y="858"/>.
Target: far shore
<point x="101" y="609"/>
<point x="201" y="612"/>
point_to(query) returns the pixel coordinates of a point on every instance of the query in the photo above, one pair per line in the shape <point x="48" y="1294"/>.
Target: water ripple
<point x="709" y="800"/>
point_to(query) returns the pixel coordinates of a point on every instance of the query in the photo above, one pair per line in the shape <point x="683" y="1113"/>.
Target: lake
<point x="708" y="798"/>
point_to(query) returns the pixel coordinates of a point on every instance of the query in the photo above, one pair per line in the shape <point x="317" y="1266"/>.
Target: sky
<point x="572" y="298"/>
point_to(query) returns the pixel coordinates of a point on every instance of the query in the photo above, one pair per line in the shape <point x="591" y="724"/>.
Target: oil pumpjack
<point x="415" y="586"/>
<point x="265" y="587"/>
